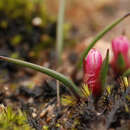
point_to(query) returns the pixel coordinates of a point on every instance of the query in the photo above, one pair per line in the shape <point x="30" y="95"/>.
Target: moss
<point x="13" y="120"/>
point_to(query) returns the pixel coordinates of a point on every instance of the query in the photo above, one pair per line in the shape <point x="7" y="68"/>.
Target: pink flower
<point x="92" y="66"/>
<point x="120" y="45"/>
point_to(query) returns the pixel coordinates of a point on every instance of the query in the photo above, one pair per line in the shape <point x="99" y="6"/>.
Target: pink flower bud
<point x="120" y="45"/>
<point x="92" y="66"/>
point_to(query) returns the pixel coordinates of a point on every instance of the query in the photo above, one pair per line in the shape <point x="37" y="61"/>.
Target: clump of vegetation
<point x="13" y="120"/>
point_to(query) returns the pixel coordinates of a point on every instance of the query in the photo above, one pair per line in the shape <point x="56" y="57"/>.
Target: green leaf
<point x="120" y="62"/>
<point x="66" y="81"/>
<point x="104" y="70"/>
<point x="127" y="73"/>
<point x="99" y="36"/>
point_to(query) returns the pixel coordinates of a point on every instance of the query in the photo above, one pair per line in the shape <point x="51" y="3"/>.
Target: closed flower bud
<point x="92" y="67"/>
<point x="120" y="45"/>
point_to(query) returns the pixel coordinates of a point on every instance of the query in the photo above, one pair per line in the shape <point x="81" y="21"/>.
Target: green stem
<point x="59" y="45"/>
<point x="67" y="82"/>
<point x="99" y="36"/>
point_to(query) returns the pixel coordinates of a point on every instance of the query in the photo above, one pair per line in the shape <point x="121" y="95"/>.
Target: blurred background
<point x="28" y="27"/>
<point x="91" y="16"/>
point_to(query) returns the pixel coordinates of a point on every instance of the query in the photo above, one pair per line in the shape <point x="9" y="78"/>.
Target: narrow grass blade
<point x="126" y="73"/>
<point x="59" y="42"/>
<point x="99" y="36"/>
<point x="104" y="70"/>
<point x="67" y="82"/>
